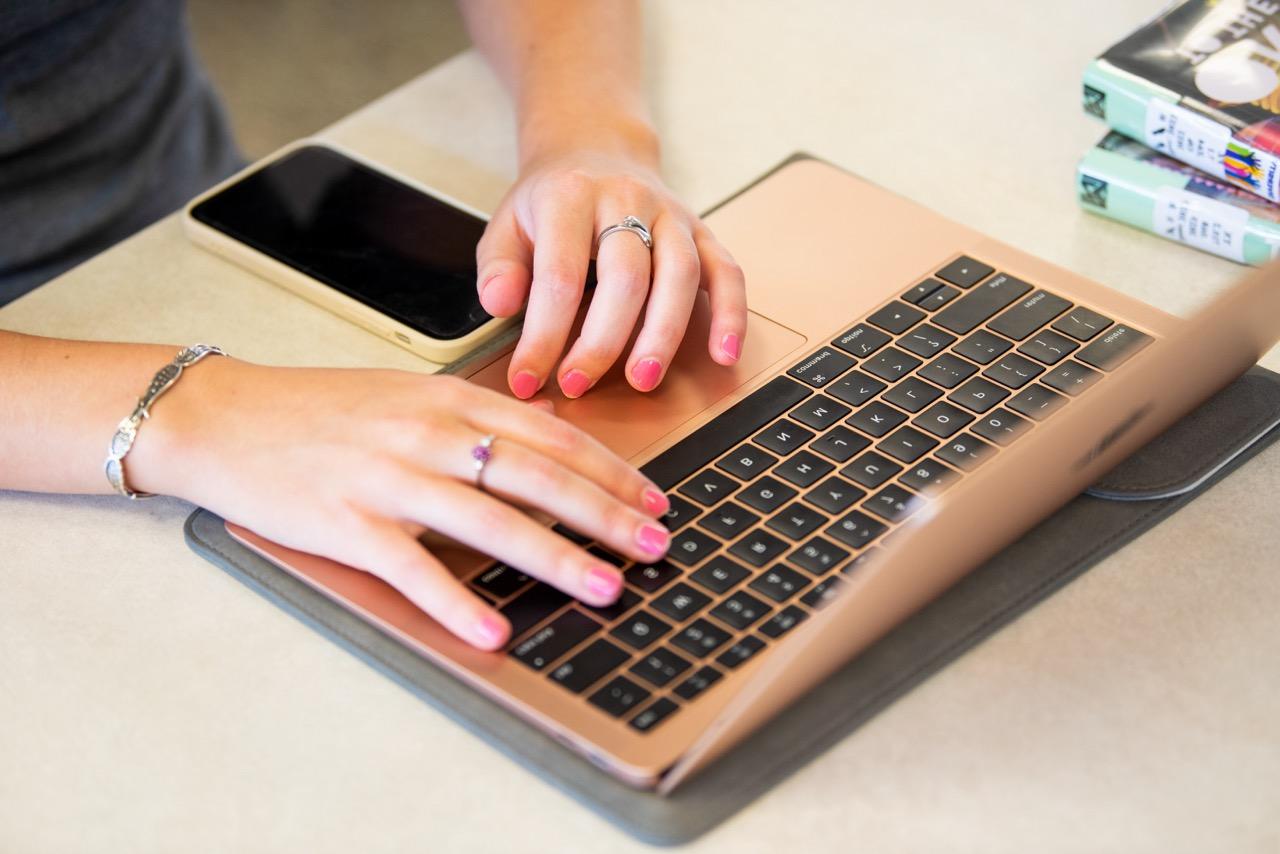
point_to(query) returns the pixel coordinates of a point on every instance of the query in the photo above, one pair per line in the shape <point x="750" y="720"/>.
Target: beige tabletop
<point x="148" y="702"/>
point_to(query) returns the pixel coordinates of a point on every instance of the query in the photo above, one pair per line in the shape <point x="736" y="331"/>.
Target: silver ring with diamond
<point x="480" y="455"/>
<point x="632" y="225"/>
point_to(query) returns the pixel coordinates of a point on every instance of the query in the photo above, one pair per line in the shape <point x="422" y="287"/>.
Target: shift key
<point x="981" y="303"/>
<point x="1116" y="346"/>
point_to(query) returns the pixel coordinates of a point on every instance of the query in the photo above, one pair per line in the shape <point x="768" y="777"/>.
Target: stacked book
<point x="1193" y="102"/>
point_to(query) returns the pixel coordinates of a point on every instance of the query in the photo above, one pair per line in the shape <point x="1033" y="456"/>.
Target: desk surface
<point x="149" y="702"/>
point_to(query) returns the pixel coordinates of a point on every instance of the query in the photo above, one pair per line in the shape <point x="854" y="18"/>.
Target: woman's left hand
<point x="537" y="248"/>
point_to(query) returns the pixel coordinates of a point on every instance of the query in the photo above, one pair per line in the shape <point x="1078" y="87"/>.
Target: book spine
<point x="1157" y="200"/>
<point x="1156" y="116"/>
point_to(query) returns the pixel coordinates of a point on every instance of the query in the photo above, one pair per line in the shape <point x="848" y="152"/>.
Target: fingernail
<point x="655" y="502"/>
<point x="731" y="346"/>
<point x="544" y="405"/>
<point x="575" y="383"/>
<point x="646" y="373"/>
<point x="524" y="385"/>
<point x="491" y="630"/>
<point x="653" y="539"/>
<point x="484" y="283"/>
<point x="603" y="581"/>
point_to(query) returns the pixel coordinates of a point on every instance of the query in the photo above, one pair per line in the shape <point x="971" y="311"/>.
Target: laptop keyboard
<point x="779" y="497"/>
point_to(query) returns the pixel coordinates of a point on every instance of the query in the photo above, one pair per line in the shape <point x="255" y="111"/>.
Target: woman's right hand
<point x="354" y="464"/>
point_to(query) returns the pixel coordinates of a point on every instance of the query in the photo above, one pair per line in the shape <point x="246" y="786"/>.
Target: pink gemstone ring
<point x="481" y="454"/>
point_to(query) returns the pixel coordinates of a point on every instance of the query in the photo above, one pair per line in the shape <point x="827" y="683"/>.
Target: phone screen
<point x="375" y="239"/>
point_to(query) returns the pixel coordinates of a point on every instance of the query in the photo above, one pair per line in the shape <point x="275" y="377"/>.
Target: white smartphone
<point x="379" y="250"/>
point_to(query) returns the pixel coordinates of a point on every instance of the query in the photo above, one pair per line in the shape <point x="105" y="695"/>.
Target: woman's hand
<point x="540" y="241"/>
<point x="354" y="464"/>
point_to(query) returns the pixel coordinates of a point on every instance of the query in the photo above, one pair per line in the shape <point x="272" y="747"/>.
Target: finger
<point x="727" y="290"/>
<point x="561" y="252"/>
<point x="676" y="273"/>
<point x="622" y="284"/>
<point x="503" y="260"/>
<point x="400" y="560"/>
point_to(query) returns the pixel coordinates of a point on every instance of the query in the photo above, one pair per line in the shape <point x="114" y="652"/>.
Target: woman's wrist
<point x="548" y="134"/>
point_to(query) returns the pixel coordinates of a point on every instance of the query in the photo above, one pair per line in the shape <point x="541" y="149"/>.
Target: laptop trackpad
<point x="629" y="421"/>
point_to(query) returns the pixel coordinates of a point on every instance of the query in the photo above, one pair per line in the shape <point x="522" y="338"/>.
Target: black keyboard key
<point x="659" y="667"/>
<point x="709" y="487"/>
<point x="1029" y="315"/>
<point x="819" y="412"/>
<point x="741" y="610"/>
<point x="570" y="534"/>
<point x="627" y="600"/>
<point x="779" y="583"/>
<point x="681" y="602"/>
<point x="758" y="547"/>
<point x="1013" y="371"/>
<point x="1082" y="324"/>
<point x="1071" y="378"/>
<point x="1048" y="347"/>
<point x="606" y="555"/>
<point x="896" y="317"/>
<point x="728" y="520"/>
<point x="532" y="607"/>
<point x="855" y="529"/>
<point x="982" y="346"/>
<point x="943" y="420"/>
<point x="929" y="474"/>
<point x="679" y="513"/>
<point x="839" y="444"/>
<point x="697" y="683"/>
<point x="835" y="495"/>
<point x="822" y="593"/>
<point x="783" y="437"/>
<point x="724" y="431"/>
<point x="783" y="621"/>
<point x="822" y="367"/>
<point x="818" y="555"/>
<point x="964" y="272"/>
<point x="978" y="395"/>
<point x="926" y="340"/>
<point x="1114" y="348"/>
<point x="939" y="298"/>
<point x="746" y="461"/>
<point x="891" y="364"/>
<point x="652" y="577"/>
<point x="659" y="710"/>
<point x="719" y="575"/>
<point x="701" y="638"/>
<point x="589" y="666"/>
<point x="965" y="452"/>
<point x="862" y="340"/>
<point x="766" y="495"/>
<point x="983" y="302"/>
<point x="500" y="581"/>
<point x="859" y="561"/>
<point x="796" y="521"/>
<point x="555" y="639"/>
<point x="871" y="469"/>
<point x="948" y="370"/>
<point x="876" y="418"/>
<point x="907" y="444"/>
<point x="690" y="547"/>
<point x="619" y="696"/>
<point x="803" y="469"/>
<point x="1001" y="426"/>
<point x="640" y="630"/>
<point x="1036" y="401"/>
<point x="855" y="388"/>
<point x="921" y="291"/>
<point x="912" y="394"/>
<point x="893" y="503"/>
<point x="740" y="652"/>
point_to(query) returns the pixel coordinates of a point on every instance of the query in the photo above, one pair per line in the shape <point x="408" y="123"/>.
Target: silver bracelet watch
<point x="127" y="430"/>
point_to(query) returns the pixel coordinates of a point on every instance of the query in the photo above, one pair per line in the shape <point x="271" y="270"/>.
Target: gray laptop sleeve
<point x="1170" y="472"/>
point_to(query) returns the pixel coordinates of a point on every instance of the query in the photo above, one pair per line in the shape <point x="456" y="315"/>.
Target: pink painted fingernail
<point x="491" y="630"/>
<point x="575" y="383"/>
<point x="653" y="539"/>
<point x="603" y="581"/>
<point x="731" y="346"/>
<point x="655" y="502"/>
<point x="645" y="374"/>
<point x="525" y="385"/>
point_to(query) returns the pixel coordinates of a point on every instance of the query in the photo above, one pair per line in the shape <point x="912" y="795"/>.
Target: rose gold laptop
<point x="912" y="396"/>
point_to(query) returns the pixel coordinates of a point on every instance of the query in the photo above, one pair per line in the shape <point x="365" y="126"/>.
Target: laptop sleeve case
<point x="1155" y="482"/>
